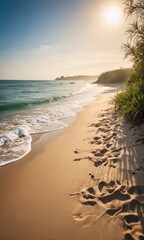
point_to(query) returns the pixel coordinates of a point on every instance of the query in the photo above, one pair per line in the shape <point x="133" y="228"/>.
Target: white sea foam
<point x="16" y="142"/>
<point x="15" y="133"/>
<point x="14" y="145"/>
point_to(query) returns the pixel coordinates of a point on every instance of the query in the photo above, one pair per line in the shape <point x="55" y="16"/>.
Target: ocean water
<point x="32" y="107"/>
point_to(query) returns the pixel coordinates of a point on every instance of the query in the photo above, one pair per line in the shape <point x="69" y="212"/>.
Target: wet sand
<point x="86" y="184"/>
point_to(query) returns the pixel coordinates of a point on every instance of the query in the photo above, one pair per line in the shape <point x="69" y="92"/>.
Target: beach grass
<point x="130" y="102"/>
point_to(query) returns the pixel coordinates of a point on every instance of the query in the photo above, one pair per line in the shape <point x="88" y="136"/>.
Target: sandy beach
<point x="88" y="183"/>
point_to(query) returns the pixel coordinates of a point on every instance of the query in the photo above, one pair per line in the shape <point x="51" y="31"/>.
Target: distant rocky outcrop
<point x="79" y="77"/>
<point x="115" y="76"/>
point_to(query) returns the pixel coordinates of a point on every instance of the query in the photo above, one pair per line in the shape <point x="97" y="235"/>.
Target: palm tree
<point x="134" y="48"/>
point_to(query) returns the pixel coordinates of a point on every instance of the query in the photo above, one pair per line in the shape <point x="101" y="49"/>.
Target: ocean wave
<point x="15" y="140"/>
<point x="14" y="145"/>
<point x="16" y="131"/>
<point x="22" y="105"/>
<point x="86" y="88"/>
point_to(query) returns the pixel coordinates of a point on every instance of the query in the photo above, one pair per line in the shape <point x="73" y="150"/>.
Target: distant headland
<point x="78" y="77"/>
<point x="114" y="76"/>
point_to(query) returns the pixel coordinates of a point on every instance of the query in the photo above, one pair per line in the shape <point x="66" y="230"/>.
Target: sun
<point x="113" y="15"/>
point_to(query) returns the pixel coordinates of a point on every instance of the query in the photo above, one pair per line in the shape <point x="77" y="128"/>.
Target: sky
<point x="44" y="39"/>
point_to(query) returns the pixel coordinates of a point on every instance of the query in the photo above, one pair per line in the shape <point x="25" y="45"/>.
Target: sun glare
<point x="113" y="15"/>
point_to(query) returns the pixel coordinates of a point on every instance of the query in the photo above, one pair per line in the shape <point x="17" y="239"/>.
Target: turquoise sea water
<point x="31" y="107"/>
<point x="18" y="95"/>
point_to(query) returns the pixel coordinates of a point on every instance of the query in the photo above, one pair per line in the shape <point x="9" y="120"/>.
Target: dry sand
<point x="86" y="184"/>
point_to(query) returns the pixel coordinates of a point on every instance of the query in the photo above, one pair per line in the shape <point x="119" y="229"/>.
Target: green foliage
<point x="115" y="76"/>
<point x="134" y="48"/>
<point x="131" y="102"/>
<point x="132" y="78"/>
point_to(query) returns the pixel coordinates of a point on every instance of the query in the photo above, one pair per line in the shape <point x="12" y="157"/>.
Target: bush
<point x="115" y="76"/>
<point x="131" y="101"/>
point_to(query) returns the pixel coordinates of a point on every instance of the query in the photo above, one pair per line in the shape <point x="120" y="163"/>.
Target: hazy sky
<point x="43" y="39"/>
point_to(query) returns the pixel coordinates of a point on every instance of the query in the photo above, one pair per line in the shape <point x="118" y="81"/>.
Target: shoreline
<point x="51" y="193"/>
<point x="48" y="135"/>
<point x="20" y="138"/>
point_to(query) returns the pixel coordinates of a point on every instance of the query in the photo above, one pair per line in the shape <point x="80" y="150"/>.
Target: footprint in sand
<point x="96" y="142"/>
<point x="101" y="185"/>
<point x="116" y="195"/>
<point x="104" y="136"/>
<point x="141" y="237"/>
<point x="102" y="162"/>
<point x="96" y="125"/>
<point x="110" y="184"/>
<point x="103" y="151"/>
<point x="115" y="159"/>
<point x="113" y="162"/>
<point x="139" y="189"/>
<point x="113" y="212"/>
<point x="98" y="154"/>
<point x="87" y="196"/>
<point x="97" y="163"/>
<point x="110" y="194"/>
<point x="131" y="222"/>
<point x="130" y="218"/>
<point x="118" y="182"/>
<point x="118" y="125"/>
<point x="105" y="187"/>
<point x="108" y="145"/>
<point x="112" y="165"/>
<point x="133" y="204"/>
<point x="96" y="138"/>
<point x="100" y="129"/>
<point x="108" y="138"/>
<point x="114" y="198"/>
<point x="116" y="150"/>
<point x="128" y="236"/>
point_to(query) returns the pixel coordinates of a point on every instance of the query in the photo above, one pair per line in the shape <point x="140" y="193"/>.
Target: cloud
<point x="41" y="49"/>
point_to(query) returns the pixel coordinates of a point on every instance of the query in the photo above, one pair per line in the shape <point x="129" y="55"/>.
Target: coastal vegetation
<point x="78" y="77"/>
<point x="130" y="102"/>
<point x="115" y="76"/>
